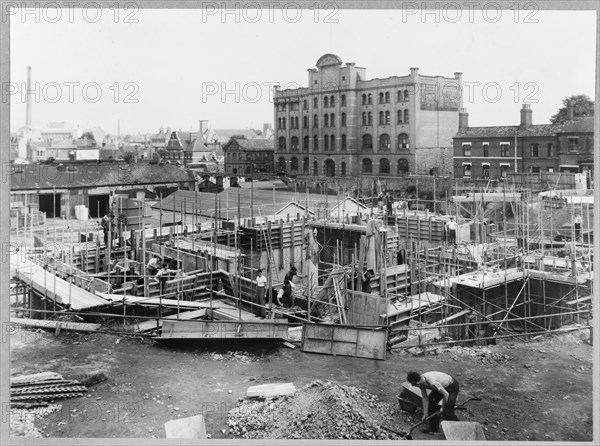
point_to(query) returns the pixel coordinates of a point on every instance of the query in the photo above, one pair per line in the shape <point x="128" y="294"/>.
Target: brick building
<point x="344" y="124"/>
<point x="489" y="152"/>
<point x="248" y="156"/>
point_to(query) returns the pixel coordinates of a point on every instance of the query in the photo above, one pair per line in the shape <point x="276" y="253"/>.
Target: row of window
<point x="234" y="156"/>
<point x="329" y="101"/>
<point x="384" y="117"/>
<point x="402" y="166"/>
<point x="329" y="120"/>
<point x="534" y="148"/>
<point x="329" y="142"/>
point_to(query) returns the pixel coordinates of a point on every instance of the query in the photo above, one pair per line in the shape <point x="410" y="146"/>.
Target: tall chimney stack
<point x="570" y="111"/>
<point x="28" y="99"/>
<point x="526" y="115"/>
<point x="463" y="119"/>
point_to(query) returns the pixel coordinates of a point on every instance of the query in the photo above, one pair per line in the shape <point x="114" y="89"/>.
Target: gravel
<point x="22" y="420"/>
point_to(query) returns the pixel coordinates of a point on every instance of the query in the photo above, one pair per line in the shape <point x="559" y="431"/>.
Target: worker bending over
<point x="443" y="387"/>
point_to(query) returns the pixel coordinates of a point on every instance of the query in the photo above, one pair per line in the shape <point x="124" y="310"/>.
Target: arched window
<point x="329" y="168"/>
<point x="399" y="96"/>
<point x="369" y="118"/>
<point x="381" y="118"/>
<point x="369" y="99"/>
<point x="406" y="95"/>
<point x="281" y="164"/>
<point x="364" y="99"/>
<point x="325" y="143"/>
<point x="384" y="142"/>
<point x="399" y="116"/>
<point x="402" y="166"/>
<point x="331" y="101"/>
<point x="381" y="98"/>
<point x="405" y="116"/>
<point x="343" y="120"/>
<point x="305" y="143"/>
<point x="326" y="120"/>
<point x="367" y="142"/>
<point x="248" y="170"/>
<point x="305" y="122"/>
<point x="278" y="123"/>
<point x="403" y="143"/>
<point x="332" y="120"/>
<point x="315" y="143"/>
<point x="295" y="143"/>
<point x="343" y="168"/>
<point x="367" y="166"/>
<point x="283" y="122"/>
<point x="281" y="143"/>
<point x="364" y="118"/>
<point x="387" y="97"/>
<point x="316" y="103"/>
<point x="294" y="164"/>
<point x="316" y="168"/>
<point x="325" y="102"/>
<point x="343" y="100"/>
<point x="315" y="121"/>
<point x="332" y="142"/>
<point x="305" y="166"/>
<point x="296" y="122"/>
<point x="344" y="142"/>
<point x="304" y="104"/>
<point x="384" y="166"/>
<point x="387" y="118"/>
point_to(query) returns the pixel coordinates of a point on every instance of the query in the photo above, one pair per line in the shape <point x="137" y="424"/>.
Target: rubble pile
<point x="477" y="354"/>
<point x="321" y="410"/>
<point x="231" y="356"/>
<point x="22" y="420"/>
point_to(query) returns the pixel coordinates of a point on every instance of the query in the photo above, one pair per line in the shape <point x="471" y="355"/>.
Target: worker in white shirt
<point x="577" y="226"/>
<point x="153" y="266"/>
<point x="451" y="231"/>
<point x="261" y="286"/>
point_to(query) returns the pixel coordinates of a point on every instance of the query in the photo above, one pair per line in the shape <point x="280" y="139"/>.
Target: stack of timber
<point x="40" y="389"/>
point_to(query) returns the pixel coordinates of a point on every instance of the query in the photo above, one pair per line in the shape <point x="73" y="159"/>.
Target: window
<point x="316" y="168"/>
<point x="399" y="96"/>
<point x="384" y="142"/>
<point x="403" y="143"/>
<point x="305" y="144"/>
<point x="466" y="149"/>
<point x="343" y="169"/>
<point x="550" y="169"/>
<point x="296" y="122"/>
<point x="304" y="104"/>
<point x="281" y="143"/>
<point x="534" y="169"/>
<point x="387" y="118"/>
<point x="332" y="120"/>
<point x="466" y="171"/>
<point x="402" y="166"/>
<point x="343" y="120"/>
<point x="364" y="99"/>
<point x="406" y="116"/>
<point x="281" y="164"/>
<point x="384" y="166"/>
<point x="305" y="166"/>
<point x="369" y="118"/>
<point x="325" y="102"/>
<point x="550" y="149"/>
<point x="387" y="97"/>
<point x="316" y="102"/>
<point x="367" y="142"/>
<point x="326" y="120"/>
<point x="315" y="143"/>
<point x="283" y="123"/>
<point x="344" y="142"/>
<point x="279" y="123"/>
<point x="534" y="150"/>
<point x="331" y="101"/>
<point x="381" y="100"/>
<point x="399" y="116"/>
<point x="369" y="99"/>
<point x="406" y="95"/>
<point x="343" y="100"/>
<point x="364" y="118"/>
<point x="504" y="150"/>
<point x="315" y="122"/>
<point x="573" y="143"/>
<point x="485" y="171"/>
<point x="294" y="143"/>
<point x="367" y="166"/>
<point x="305" y="122"/>
<point x="332" y="142"/>
<point x="325" y="143"/>
<point x="486" y="149"/>
<point x="381" y="118"/>
<point x="504" y="169"/>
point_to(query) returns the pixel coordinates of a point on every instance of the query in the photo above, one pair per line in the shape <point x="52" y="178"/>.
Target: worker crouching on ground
<point x="443" y="387"/>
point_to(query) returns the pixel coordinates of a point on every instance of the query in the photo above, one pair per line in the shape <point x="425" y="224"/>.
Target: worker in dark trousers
<point x="577" y="226"/>
<point x="451" y="227"/>
<point x="443" y="387"/>
<point x="366" y="280"/>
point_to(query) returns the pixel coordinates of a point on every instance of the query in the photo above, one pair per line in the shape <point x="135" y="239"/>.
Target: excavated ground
<point x="536" y="390"/>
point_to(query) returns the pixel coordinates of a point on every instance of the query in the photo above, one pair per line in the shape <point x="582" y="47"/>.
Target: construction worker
<point x="443" y="387"/>
<point x="451" y="231"/>
<point x="261" y="286"/>
<point x="152" y="266"/>
<point x="162" y="276"/>
<point x="107" y="224"/>
<point x="577" y="226"/>
<point x="366" y="280"/>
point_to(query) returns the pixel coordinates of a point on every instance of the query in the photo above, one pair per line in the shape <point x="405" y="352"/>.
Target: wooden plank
<point x="268" y="390"/>
<point x="190" y="427"/>
<point x="173" y="329"/>
<point x="463" y="431"/>
<point x="64" y="325"/>
<point x="152" y="324"/>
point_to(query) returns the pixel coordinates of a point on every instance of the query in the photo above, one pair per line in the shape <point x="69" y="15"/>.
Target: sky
<point x="146" y="69"/>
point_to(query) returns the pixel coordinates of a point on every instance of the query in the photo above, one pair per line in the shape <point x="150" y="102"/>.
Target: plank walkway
<point x="152" y="324"/>
<point x="64" y="325"/>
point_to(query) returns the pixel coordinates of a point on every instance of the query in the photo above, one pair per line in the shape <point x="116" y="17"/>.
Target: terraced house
<point x="344" y="124"/>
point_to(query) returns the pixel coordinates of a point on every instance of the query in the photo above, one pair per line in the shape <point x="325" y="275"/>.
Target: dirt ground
<point x="543" y="391"/>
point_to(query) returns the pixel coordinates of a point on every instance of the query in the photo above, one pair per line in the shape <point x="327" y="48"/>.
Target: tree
<point x="89" y="136"/>
<point x="582" y="106"/>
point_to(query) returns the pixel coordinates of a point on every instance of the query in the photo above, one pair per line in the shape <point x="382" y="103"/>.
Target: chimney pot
<point x="463" y="119"/>
<point x="526" y="115"/>
<point x="570" y="111"/>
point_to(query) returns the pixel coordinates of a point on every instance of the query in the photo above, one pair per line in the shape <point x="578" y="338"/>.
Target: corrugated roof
<point x="86" y="175"/>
